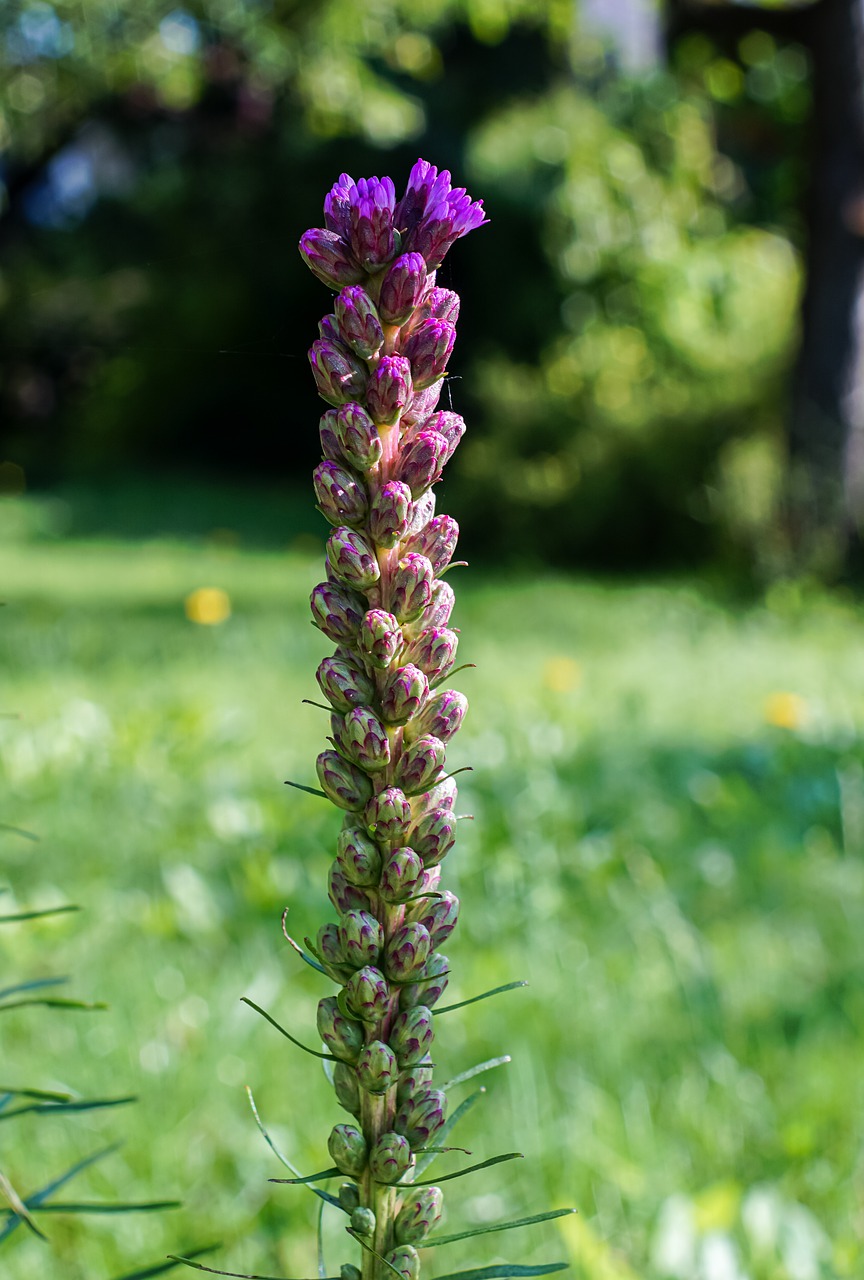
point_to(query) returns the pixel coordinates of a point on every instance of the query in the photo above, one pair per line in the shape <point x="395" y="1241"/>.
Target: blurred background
<point x="660" y="494"/>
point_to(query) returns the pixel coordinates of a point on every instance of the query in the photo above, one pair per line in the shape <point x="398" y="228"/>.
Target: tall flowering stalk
<point x="379" y="362"/>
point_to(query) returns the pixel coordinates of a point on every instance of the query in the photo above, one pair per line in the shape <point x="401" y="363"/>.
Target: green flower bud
<point x="349" y="1196"/>
<point x="436" y="972"/>
<point x="441" y="716"/>
<point x="406" y="1261"/>
<point x="420" y="1214"/>
<point x="376" y="1067"/>
<point x="357" y="436"/>
<point x="403" y="695"/>
<point x="389" y="512"/>
<point x="337" y="611"/>
<point x="342" y="782"/>
<point x="390" y="1158"/>
<point x="438" y="914"/>
<point x="434" y="652"/>
<point x="420" y="765"/>
<point x="358" y="857"/>
<point x="345" y="896"/>
<point x="380" y="637"/>
<point x="407" y="951"/>
<point x="421" y="1116"/>
<point x="364" y="740"/>
<point x="363" y="1221"/>
<point x="348" y="1149"/>
<point x="433" y="836"/>
<point x="361" y="938"/>
<point x="341" y="497"/>
<point x="411" y="1035"/>
<point x="352" y="558"/>
<point x="400" y="876"/>
<point x="414" y="1080"/>
<point x="347" y="1088"/>
<point x="344" y="683"/>
<point x="388" y="816"/>
<point x="329" y="948"/>
<point x="367" y="994"/>
<point x="410" y="586"/>
<point x="342" y="1037"/>
<point x="349" y="1272"/>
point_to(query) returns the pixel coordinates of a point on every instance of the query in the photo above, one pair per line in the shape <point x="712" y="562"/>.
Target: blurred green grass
<point x="668" y="792"/>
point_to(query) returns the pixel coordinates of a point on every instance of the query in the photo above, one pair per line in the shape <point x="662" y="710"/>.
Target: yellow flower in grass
<point x="208" y="606"/>
<point x="785" y="710"/>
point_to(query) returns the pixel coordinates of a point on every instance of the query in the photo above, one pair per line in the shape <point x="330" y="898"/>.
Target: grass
<point x="668" y="845"/>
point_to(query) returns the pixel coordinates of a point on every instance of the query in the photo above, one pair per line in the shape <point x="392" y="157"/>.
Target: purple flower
<point x="428" y="348"/>
<point x="370" y="210"/>
<point x="357" y="321"/>
<point x="432" y="216"/>
<point x="337" y="611"/>
<point x="339" y="376"/>
<point x="389" y="389"/>
<point x="329" y="258"/>
<point x="337" y="205"/>
<point x="402" y="288"/>
<point x="341" y="496"/>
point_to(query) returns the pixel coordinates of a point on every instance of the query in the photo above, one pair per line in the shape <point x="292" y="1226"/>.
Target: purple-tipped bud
<point x="364" y="740"/>
<point x="407" y="951"/>
<point x="433" y="836"/>
<point x="387" y="817"/>
<point x="420" y="1214"/>
<point x="414" y="1079"/>
<point x="390" y="1158"/>
<point x="422" y="511"/>
<point x="423" y="460"/>
<point x="341" y="497"/>
<point x="440" y="304"/>
<point x="328" y="327"/>
<point x="342" y="1036"/>
<point x="361" y="938"/>
<point x="389" y="389"/>
<point x="367" y="994"/>
<point x="442" y="716"/>
<point x="439" y="915"/>
<point x="404" y="694"/>
<point x="347" y="1089"/>
<point x="438" y="610"/>
<point x="402" y="288"/>
<point x="339" y="376"/>
<point x="337" y="611"/>
<point x="390" y="510"/>
<point x="420" y="765"/>
<point x="357" y="436"/>
<point x="434" y="652"/>
<point x="376" y="1067"/>
<point x="329" y="946"/>
<point x="329" y="258"/>
<point x="337" y="206"/>
<point x="371" y="221"/>
<point x="348" y="1149"/>
<point x="436" y="541"/>
<point x="363" y="1219"/>
<point x="405" y="1260"/>
<point x="344" y="895"/>
<point x="358" y="857"/>
<point x="379" y="637"/>
<point x="342" y="782"/>
<point x="410" y="586"/>
<point x="429" y="347"/>
<point x="358" y="322"/>
<point x="422" y="405"/>
<point x="400" y="876"/>
<point x="441" y="796"/>
<point x="411" y="1035"/>
<point x="352" y="558"/>
<point x="420" y="1118"/>
<point x="343" y="681"/>
<point x="437" y="973"/>
<point x="329" y="440"/>
<point x="449" y="425"/>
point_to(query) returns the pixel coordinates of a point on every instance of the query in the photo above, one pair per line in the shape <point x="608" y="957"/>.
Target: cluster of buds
<point x="379" y="363"/>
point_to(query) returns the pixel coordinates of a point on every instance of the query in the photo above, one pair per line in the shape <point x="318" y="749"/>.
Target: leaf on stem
<point x="301" y="953"/>
<point x="476" y="1071"/>
<point x="365" y="1245"/>
<point x="18" y="1206"/>
<point x="496" y="991"/>
<point x="160" y="1268"/>
<point x="37" y="915"/>
<point x="504" y="1269"/>
<point x="314" y="1052"/>
<point x="472" y="1168"/>
<point x="497" y="1226"/>
<point x="53" y="1108"/>
<point x="38" y="1198"/>
<point x="238" y="1275"/>
<point x="283" y="1159"/>
<point x="312" y="791"/>
<point x="449" y="1126"/>
<point x="310" y="1177"/>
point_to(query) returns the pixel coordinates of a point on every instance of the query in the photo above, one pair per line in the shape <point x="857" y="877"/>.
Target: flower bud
<point x="358" y="321"/>
<point x="357" y="436"/>
<point x="410" y="586"/>
<point x="402" y="288"/>
<point x="428" y="347"/>
<point x="329" y="946"/>
<point x="433" y="650"/>
<point x="329" y="258"/>
<point x="437" y="612"/>
<point x="404" y="694"/>
<point x="344" y="895"/>
<point x="327" y="435"/>
<point x="436" y="541"/>
<point x="428" y="884"/>
<point x="387" y="817"/>
<point x="361" y="938"/>
<point x="439" y="915"/>
<point x="407" y="951"/>
<point x="389" y="389"/>
<point x="342" y="679"/>
<point x="449" y="425"/>
<point x="348" y="1149"/>
<point x="367" y="994"/>
<point x="420" y="765"/>
<point x="328" y="328"/>
<point x="371" y="221"/>
<point x="423" y="461"/>
<point x="349" y="1272"/>
<point x="433" y="836"/>
<point x="347" y="1092"/>
<point x="420" y="1117"/>
<point x="376" y="1067"/>
<point x="415" y="1079"/>
<point x="437" y="971"/>
<point x="422" y="511"/>
<point x="402" y="870"/>
<point x="341" y="496"/>
<point x="379" y="638"/>
<point x="358" y="857"/>
<point x="422" y="405"/>
<point x="441" y="796"/>
<point x="342" y="1036"/>
<point x="364" y="740"/>
<point x="442" y="304"/>
<point x="337" y="611"/>
<point x="349" y="1193"/>
<point x="363" y="1221"/>
<point x="411" y="1035"/>
<point x="441" y="716"/>
<point x="342" y="782"/>
<point x="389" y="512"/>
<point x="406" y="1260"/>
<point x="390" y="1158"/>
<point x="339" y="375"/>
<point x="352" y="559"/>
<point x="420" y="1214"/>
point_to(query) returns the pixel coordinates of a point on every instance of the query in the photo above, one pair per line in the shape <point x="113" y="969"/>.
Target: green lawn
<point x="668" y="845"/>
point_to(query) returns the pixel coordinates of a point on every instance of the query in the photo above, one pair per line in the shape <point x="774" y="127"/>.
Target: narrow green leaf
<point x="4" y="826"/>
<point x="238" y="1275"/>
<point x="322" y="1269"/>
<point x="312" y="791"/>
<point x="309" y="703"/>
<point x="47" y="1094"/>
<point x="38" y="1198"/>
<point x="83" y="1206"/>
<point x="314" y="1052"/>
<point x="472" y="1168"/>
<point x="509" y="986"/>
<point x="18" y="1206"/>
<point x="449" y="1126"/>
<point x="476" y="1071"/>
<point x="323" y="1195"/>
<point x="301" y="953"/>
<point x="160" y="1268"/>
<point x="37" y="915"/>
<point x="52" y="1002"/>
<point x="35" y="984"/>
<point x="310" y="1177"/>
<point x="365" y="1245"/>
<point x="54" y="1108"/>
<point x="504" y="1269"/>
<point x="498" y="1226"/>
